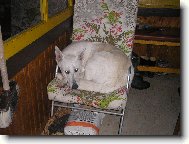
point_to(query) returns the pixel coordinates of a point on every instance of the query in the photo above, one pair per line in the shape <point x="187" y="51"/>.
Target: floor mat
<point x="56" y="123"/>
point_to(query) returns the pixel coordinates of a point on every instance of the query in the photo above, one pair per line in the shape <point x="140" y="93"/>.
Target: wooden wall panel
<point x="33" y="109"/>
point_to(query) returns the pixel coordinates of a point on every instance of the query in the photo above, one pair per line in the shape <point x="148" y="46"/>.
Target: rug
<point x="56" y="123"/>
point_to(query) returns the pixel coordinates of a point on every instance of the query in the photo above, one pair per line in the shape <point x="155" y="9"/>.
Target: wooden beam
<point x="167" y="43"/>
<point x="159" y="4"/>
<point x="158" y="69"/>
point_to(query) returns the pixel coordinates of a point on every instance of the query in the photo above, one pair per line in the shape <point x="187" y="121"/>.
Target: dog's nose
<point x="74" y="86"/>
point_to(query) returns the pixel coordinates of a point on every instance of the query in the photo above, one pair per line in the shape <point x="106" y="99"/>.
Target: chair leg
<point x="121" y="122"/>
<point x="52" y="108"/>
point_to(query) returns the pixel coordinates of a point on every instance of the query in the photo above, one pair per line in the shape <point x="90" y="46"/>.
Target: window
<point x="24" y="14"/>
<point x="56" y="6"/>
<point x="5" y="18"/>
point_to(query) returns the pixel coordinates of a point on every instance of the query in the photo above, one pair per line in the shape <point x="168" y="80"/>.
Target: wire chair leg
<point x="121" y="122"/>
<point x="52" y="108"/>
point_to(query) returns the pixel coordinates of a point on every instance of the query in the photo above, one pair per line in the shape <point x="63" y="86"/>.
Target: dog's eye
<point x="67" y="72"/>
<point x="76" y="70"/>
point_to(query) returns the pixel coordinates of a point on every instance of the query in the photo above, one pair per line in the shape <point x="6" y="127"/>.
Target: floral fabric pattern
<point x="59" y="91"/>
<point x="109" y="21"/>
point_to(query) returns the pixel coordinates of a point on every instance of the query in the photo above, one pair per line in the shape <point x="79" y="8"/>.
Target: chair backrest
<point x="108" y="21"/>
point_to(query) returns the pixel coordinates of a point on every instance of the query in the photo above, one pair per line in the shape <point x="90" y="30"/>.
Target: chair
<point x="108" y="21"/>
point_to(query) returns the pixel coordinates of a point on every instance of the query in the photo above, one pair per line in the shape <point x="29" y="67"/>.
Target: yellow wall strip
<point x="18" y="42"/>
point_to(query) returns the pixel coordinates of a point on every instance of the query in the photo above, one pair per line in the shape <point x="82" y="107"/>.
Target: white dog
<point x="93" y="66"/>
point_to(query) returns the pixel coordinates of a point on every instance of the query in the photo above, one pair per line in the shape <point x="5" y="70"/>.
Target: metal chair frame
<point x="120" y="113"/>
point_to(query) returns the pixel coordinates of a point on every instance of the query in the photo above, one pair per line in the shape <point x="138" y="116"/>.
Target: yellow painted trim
<point x="70" y="3"/>
<point x="18" y="42"/>
<point x="44" y="10"/>
<point x="158" y="6"/>
<point x="158" y="69"/>
<point x="157" y="42"/>
<point x="159" y="3"/>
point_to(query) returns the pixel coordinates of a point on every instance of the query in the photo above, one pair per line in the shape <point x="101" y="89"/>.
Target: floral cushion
<point x="59" y="91"/>
<point x="109" y="21"/>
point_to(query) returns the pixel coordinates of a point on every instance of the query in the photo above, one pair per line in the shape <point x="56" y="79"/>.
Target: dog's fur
<point x="93" y="66"/>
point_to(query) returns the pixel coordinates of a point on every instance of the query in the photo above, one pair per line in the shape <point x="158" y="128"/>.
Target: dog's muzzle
<point x="74" y="86"/>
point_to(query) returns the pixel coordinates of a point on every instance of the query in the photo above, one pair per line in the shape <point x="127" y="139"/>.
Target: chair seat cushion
<point x="59" y="91"/>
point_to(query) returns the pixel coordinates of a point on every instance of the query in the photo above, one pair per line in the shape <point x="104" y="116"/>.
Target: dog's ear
<point x="59" y="54"/>
<point x="81" y="55"/>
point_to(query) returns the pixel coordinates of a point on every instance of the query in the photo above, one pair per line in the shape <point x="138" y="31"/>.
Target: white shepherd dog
<point x="93" y="66"/>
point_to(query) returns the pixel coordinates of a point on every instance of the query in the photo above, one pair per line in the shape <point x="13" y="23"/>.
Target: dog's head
<point x="70" y="66"/>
